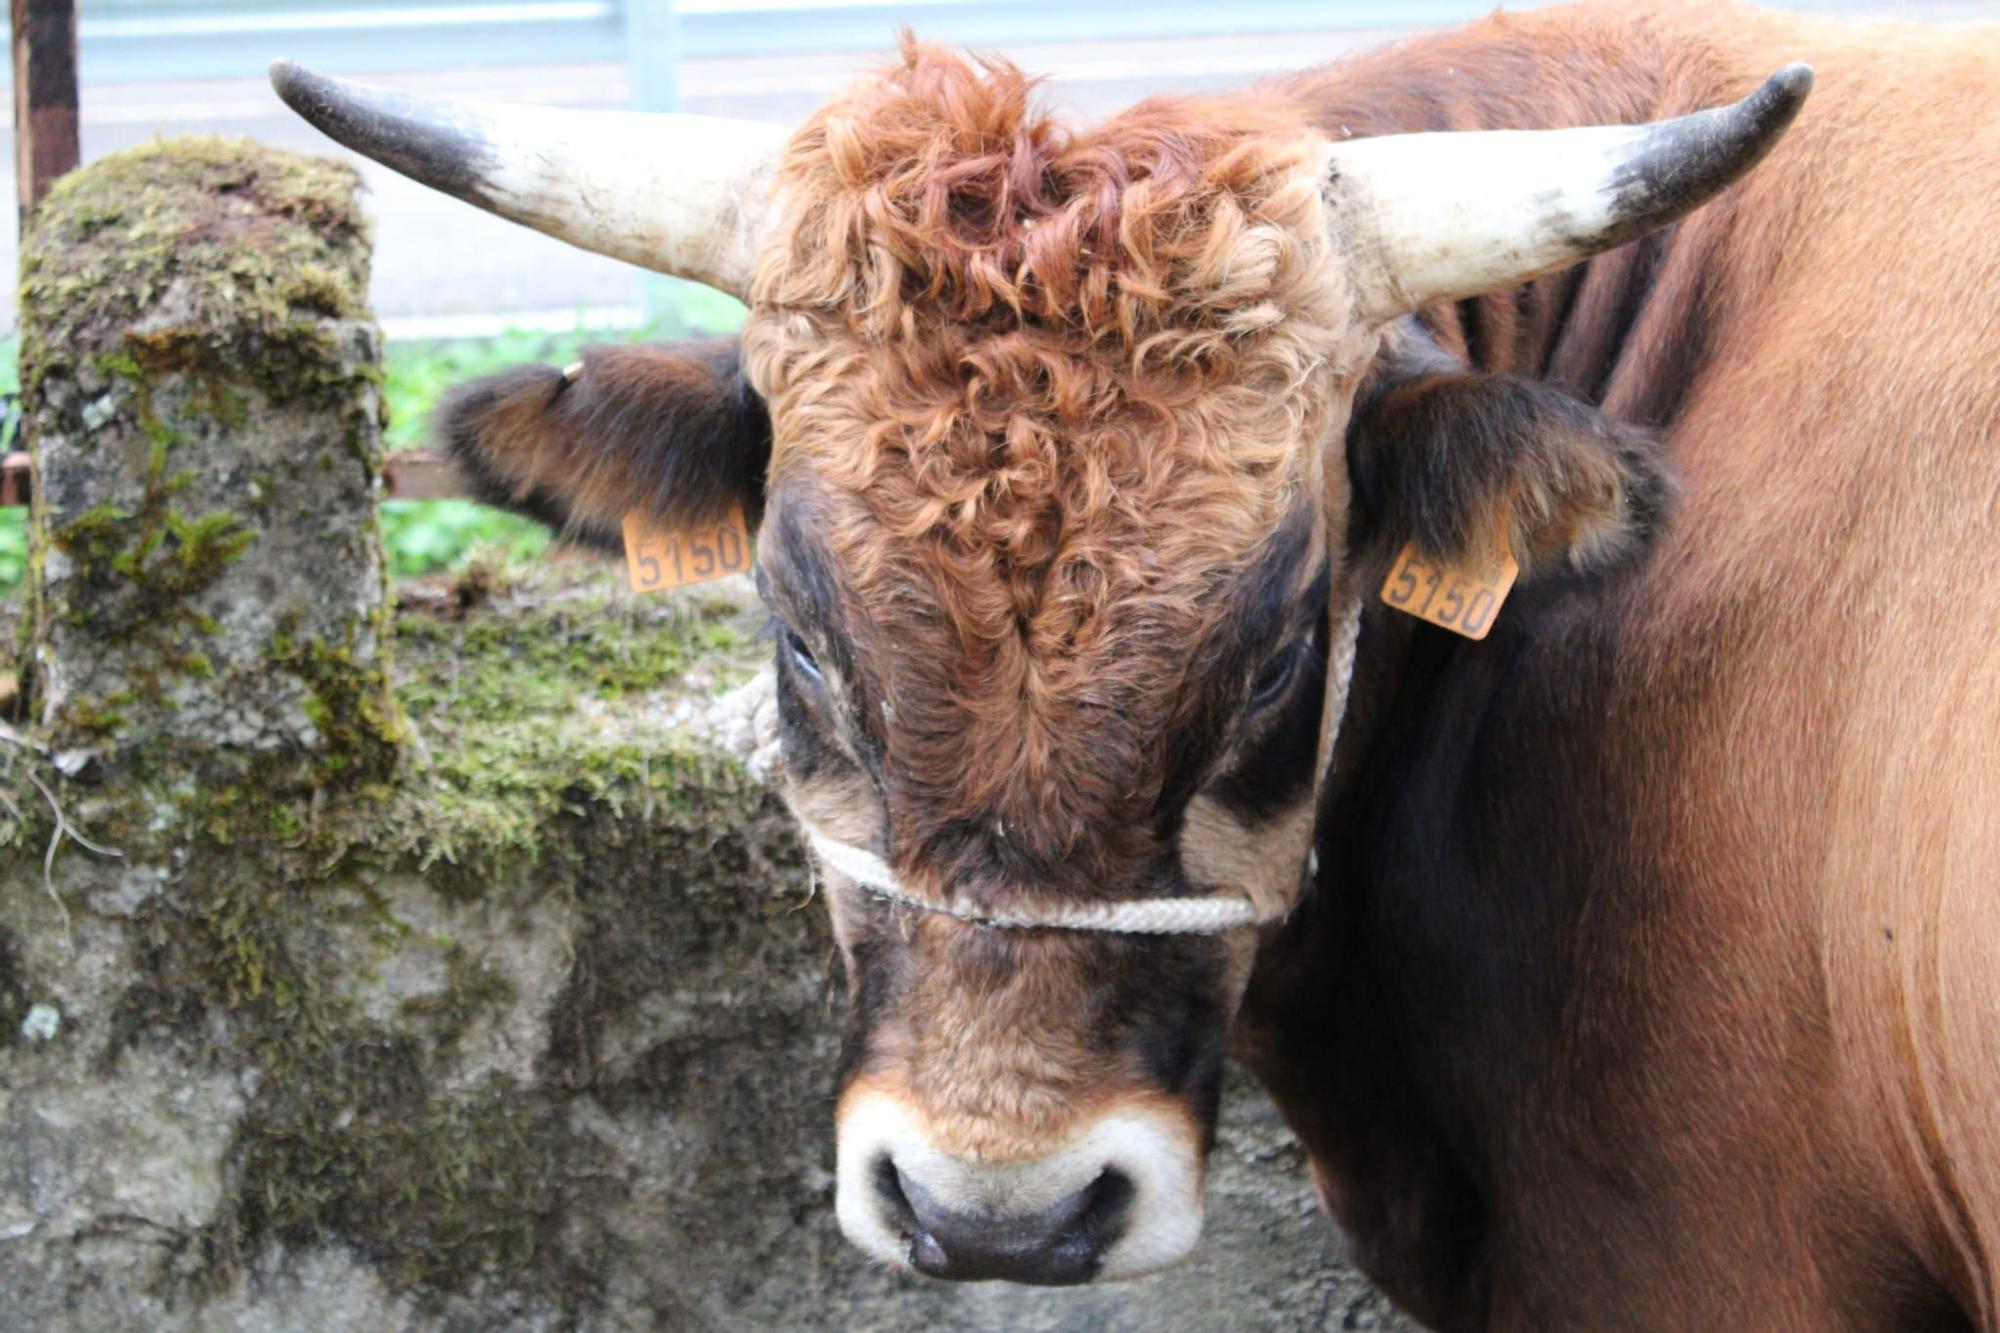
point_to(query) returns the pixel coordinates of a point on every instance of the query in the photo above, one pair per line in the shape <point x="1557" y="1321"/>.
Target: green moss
<point x="545" y="713"/>
<point x="154" y="556"/>
<point x="348" y="701"/>
<point x="348" y="1142"/>
<point x="168" y="288"/>
<point x="348" y="1139"/>
<point x="530" y="707"/>
<point x="195" y="227"/>
<point x="541" y="656"/>
<point x="142" y="571"/>
<point x="435" y="1191"/>
<point x="98" y="717"/>
<point x="471" y="990"/>
<point x="509" y="773"/>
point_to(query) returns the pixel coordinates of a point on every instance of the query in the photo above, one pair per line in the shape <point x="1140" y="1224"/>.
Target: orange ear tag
<point x="659" y="558"/>
<point x="1461" y="598"/>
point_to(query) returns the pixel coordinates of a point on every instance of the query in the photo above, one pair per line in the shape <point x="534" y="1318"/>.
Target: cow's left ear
<point x="1443" y="458"/>
<point x="671" y="431"/>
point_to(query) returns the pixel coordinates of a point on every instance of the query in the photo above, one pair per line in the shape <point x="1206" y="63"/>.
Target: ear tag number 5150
<point x="1461" y="598"/>
<point x="659" y="558"/>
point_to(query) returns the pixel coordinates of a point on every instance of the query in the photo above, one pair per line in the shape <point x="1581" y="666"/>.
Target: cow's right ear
<point x="671" y="430"/>
<point x="1445" y="459"/>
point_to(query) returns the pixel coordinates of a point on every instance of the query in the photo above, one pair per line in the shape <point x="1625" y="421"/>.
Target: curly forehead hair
<point x="1044" y="389"/>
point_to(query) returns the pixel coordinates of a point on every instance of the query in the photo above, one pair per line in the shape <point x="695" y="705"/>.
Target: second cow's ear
<point x="671" y="430"/>
<point x="1444" y="459"/>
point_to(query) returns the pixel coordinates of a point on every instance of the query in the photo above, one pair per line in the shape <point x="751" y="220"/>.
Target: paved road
<point x="438" y="258"/>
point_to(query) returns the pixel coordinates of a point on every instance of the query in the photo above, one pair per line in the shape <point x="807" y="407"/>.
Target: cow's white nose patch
<point x="1153" y="1148"/>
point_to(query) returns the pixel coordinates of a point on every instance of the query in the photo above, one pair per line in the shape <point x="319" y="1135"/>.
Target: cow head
<point x="1070" y="452"/>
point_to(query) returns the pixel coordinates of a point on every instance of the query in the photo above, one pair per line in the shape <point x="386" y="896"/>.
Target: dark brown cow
<point x="1645" y="969"/>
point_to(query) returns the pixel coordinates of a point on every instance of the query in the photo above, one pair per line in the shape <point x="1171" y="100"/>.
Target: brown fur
<point x="1047" y="392"/>
<point x="1660" y="988"/>
<point x="667" y="431"/>
<point x="1453" y="462"/>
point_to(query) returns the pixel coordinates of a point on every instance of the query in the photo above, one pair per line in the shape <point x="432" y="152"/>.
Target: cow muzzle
<point x="1120" y="1197"/>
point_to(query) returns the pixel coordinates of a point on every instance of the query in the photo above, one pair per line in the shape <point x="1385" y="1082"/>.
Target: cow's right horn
<point x="1433" y="217"/>
<point x="685" y="195"/>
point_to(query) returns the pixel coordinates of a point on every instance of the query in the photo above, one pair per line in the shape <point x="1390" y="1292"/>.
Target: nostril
<point x="925" y="1252"/>
<point x="1104" y="1204"/>
<point x="889" y="1188"/>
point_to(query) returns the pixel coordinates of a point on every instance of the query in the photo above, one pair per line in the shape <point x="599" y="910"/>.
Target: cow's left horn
<point x="1432" y="217"/>
<point x="684" y="195"/>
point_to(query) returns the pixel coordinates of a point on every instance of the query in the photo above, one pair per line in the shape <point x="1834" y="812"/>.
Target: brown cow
<point x="1645" y="972"/>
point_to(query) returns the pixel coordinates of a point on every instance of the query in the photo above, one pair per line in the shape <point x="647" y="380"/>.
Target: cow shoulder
<point x="670" y="430"/>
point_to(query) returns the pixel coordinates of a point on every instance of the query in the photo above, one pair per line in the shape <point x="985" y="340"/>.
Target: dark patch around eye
<point x="807" y="752"/>
<point x="1277" y="768"/>
<point x="799" y="653"/>
<point x="798" y="581"/>
<point x="1277" y="674"/>
<point x="1263" y="609"/>
<point x="1264" y="604"/>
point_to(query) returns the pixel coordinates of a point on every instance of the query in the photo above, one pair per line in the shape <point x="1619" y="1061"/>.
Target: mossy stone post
<point x="202" y="388"/>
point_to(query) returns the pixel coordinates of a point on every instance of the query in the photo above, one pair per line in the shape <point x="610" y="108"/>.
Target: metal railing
<point x="128" y="41"/>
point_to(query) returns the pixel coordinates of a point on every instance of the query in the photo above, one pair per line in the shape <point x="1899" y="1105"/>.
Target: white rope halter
<point x="1209" y="914"/>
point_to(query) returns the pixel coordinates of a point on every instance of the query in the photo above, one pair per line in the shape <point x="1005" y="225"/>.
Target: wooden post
<point x="45" y="128"/>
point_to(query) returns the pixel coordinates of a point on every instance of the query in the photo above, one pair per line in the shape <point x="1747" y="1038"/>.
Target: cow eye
<point x="801" y="655"/>
<point x="1276" y="676"/>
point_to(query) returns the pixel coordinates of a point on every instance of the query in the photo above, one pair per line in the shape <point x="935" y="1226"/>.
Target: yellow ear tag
<point x="659" y="558"/>
<point x="1461" y="598"/>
